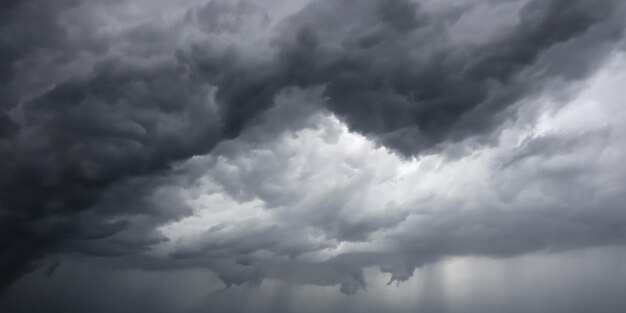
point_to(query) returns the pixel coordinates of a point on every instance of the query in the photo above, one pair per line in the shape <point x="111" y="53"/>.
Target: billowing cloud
<point x="546" y="188"/>
<point x="307" y="141"/>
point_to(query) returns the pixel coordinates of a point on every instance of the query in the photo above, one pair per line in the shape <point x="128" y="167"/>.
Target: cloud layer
<point x="307" y="141"/>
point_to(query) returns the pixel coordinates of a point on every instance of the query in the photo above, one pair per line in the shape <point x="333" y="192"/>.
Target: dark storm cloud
<point x="390" y="72"/>
<point x="13" y="261"/>
<point x="400" y="82"/>
<point x="70" y="153"/>
<point x="83" y="136"/>
<point x="407" y="87"/>
<point x="553" y="192"/>
<point x="223" y="16"/>
<point x="85" y="152"/>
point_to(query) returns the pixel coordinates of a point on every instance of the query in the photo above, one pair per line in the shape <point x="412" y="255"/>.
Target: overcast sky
<point x="312" y="156"/>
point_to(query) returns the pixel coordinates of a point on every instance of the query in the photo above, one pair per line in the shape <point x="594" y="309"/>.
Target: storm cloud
<point x="307" y="141"/>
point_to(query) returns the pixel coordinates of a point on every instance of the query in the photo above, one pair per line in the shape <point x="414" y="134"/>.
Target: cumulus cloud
<point x="287" y="140"/>
<point x="356" y="205"/>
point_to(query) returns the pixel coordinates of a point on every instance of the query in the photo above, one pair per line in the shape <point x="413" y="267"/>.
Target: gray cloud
<point x="101" y="114"/>
<point x="552" y="191"/>
<point x="80" y="137"/>
<point x="412" y="90"/>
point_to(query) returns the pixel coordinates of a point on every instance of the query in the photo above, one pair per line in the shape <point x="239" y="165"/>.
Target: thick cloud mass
<point x="307" y="141"/>
<point x="390" y="72"/>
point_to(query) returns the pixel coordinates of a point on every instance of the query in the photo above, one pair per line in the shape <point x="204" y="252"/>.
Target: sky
<point x="312" y="156"/>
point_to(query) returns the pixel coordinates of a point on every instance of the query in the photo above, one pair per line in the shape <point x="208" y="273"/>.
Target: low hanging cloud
<point x="306" y="145"/>
<point x="548" y="188"/>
